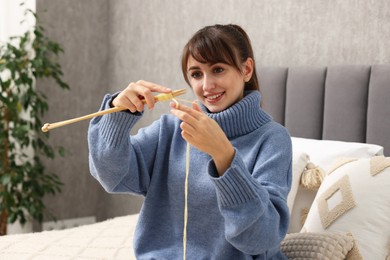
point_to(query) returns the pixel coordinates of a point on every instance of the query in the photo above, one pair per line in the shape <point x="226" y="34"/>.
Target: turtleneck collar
<point x="241" y="118"/>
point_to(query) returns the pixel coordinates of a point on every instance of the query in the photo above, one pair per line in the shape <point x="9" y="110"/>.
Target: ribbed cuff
<point x="115" y="127"/>
<point x="236" y="186"/>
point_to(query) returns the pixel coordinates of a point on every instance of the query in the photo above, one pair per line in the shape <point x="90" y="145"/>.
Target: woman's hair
<point x="227" y="44"/>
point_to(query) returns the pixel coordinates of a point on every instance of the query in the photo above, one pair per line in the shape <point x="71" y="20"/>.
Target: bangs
<point x="211" y="49"/>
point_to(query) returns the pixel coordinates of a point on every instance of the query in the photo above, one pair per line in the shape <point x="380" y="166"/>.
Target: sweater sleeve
<point x="116" y="159"/>
<point x="253" y="202"/>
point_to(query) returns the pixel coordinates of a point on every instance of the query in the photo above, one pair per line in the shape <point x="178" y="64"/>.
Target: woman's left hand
<point x="205" y="134"/>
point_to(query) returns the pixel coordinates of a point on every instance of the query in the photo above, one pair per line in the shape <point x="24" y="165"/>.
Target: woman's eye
<point x="196" y="75"/>
<point x="218" y="70"/>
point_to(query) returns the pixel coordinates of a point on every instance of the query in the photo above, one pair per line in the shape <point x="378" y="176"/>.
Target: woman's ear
<point x="247" y="69"/>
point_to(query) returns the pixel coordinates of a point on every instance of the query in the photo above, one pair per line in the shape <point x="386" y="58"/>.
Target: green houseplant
<point x="23" y="179"/>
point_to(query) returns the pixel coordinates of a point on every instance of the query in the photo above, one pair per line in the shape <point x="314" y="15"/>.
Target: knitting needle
<point x="161" y="97"/>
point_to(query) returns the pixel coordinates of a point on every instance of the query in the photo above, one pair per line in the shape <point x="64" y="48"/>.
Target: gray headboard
<point x="346" y="103"/>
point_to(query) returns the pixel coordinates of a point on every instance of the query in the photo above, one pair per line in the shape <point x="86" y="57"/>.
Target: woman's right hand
<point x="131" y="97"/>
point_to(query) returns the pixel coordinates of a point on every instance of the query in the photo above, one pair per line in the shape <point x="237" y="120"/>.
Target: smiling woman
<point x="234" y="158"/>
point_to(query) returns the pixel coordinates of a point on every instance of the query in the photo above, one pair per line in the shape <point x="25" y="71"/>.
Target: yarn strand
<point x="186" y="201"/>
<point x="185" y="191"/>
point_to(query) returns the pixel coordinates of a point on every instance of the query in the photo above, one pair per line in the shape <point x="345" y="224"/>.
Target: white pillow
<point x="299" y="162"/>
<point x="355" y="198"/>
<point x="324" y="152"/>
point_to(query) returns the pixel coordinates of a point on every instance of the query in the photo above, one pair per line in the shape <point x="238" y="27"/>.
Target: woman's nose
<point x="208" y="83"/>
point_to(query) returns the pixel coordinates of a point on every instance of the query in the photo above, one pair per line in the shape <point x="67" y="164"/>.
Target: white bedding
<point x="111" y="239"/>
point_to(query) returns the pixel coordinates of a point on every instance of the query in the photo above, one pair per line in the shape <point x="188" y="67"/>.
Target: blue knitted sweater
<point x="241" y="215"/>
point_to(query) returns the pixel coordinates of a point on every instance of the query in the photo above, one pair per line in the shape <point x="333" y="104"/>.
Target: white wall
<point x="11" y="15"/>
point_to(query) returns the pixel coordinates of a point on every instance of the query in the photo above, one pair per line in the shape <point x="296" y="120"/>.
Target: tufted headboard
<point x="346" y="103"/>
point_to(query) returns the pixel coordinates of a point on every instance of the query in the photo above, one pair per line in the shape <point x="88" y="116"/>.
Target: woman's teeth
<point x="214" y="96"/>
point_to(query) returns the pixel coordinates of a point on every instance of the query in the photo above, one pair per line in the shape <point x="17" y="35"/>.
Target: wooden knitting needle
<point x="161" y="97"/>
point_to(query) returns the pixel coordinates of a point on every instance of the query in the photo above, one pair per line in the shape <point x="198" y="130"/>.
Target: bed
<point x="339" y="119"/>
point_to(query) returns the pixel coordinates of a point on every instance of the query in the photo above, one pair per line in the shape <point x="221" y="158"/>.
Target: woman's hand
<point x="205" y="134"/>
<point x="131" y="97"/>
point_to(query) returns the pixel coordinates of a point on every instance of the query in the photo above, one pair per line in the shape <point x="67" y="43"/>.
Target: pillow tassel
<point x="312" y="177"/>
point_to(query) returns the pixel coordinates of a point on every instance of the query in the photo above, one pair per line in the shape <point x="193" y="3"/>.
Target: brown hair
<point x="227" y="44"/>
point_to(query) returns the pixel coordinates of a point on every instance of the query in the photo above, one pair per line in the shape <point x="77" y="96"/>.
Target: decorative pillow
<point x="325" y="152"/>
<point x="355" y="198"/>
<point x="317" y="246"/>
<point x="299" y="163"/>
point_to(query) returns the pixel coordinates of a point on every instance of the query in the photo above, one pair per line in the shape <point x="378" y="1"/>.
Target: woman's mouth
<point x="214" y="98"/>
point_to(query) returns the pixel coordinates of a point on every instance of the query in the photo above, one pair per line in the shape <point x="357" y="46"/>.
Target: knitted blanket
<point x="110" y="239"/>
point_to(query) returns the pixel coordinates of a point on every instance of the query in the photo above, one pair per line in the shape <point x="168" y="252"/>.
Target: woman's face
<point x="218" y="86"/>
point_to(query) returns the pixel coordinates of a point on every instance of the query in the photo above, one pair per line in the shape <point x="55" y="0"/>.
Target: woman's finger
<point x="143" y="93"/>
<point x="131" y="97"/>
<point x="154" y="87"/>
<point x="146" y="90"/>
<point x="184" y="116"/>
<point x="194" y="113"/>
<point x="196" y="106"/>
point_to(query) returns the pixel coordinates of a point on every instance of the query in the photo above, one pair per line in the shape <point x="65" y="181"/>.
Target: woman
<point x="240" y="160"/>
